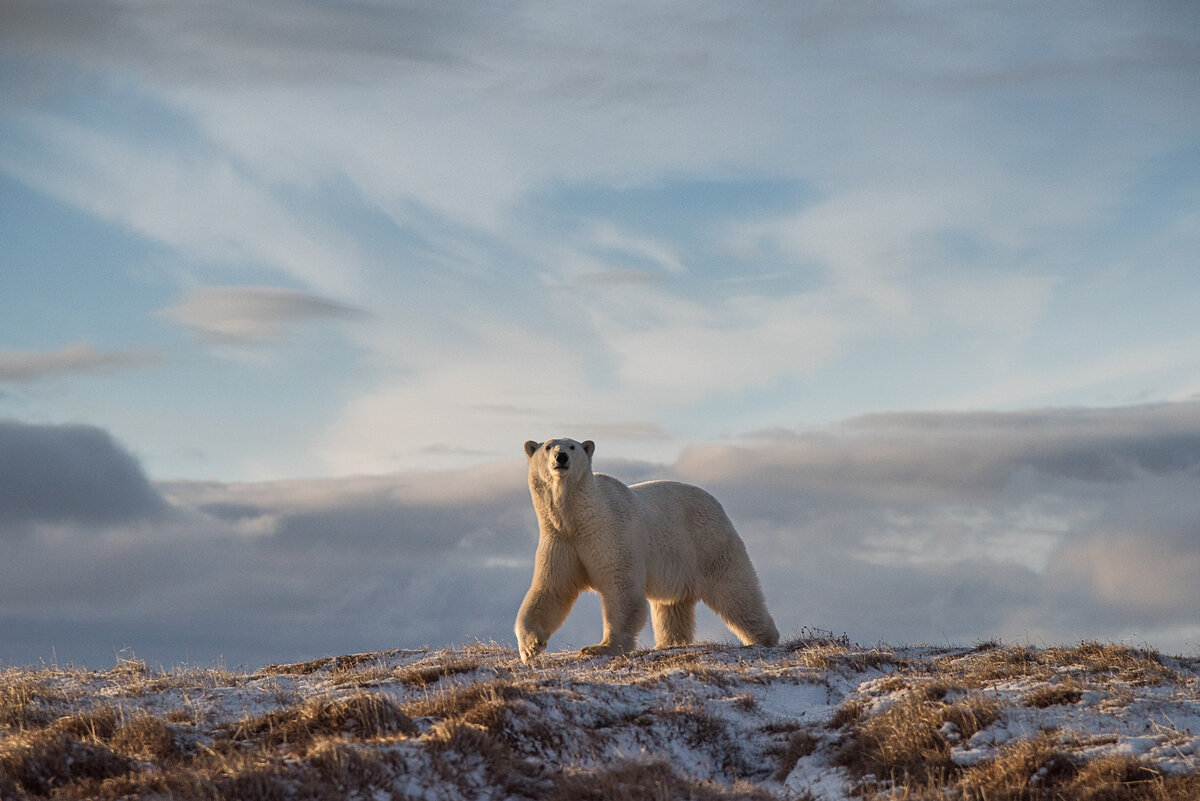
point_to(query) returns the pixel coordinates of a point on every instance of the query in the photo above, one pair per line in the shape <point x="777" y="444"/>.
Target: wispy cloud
<point x="704" y="218"/>
<point x="24" y="366"/>
<point x="218" y="40"/>
<point x="247" y="314"/>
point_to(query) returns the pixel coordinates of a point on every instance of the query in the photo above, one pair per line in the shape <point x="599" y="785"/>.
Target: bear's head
<point x="560" y="459"/>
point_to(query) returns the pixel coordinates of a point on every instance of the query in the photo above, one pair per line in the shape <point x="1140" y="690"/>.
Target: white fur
<point x="664" y="541"/>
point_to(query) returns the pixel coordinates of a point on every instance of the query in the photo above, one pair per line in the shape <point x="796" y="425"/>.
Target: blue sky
<point x="309" y="241"/>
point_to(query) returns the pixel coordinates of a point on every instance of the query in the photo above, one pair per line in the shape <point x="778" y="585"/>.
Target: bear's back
<point x="684" y="509"/>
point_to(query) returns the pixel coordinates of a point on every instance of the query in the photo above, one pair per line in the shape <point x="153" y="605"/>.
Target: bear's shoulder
<point x="608" y="483"/>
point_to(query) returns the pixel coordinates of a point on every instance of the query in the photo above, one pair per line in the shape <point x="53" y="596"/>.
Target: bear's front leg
<point x="529" y="643"/>
<point x="541" y="614"/>
<point x="531" y="629"/>
<point x="556" y="585"/>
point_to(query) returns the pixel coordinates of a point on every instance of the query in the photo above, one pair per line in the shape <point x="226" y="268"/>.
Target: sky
<point x="913" y="287"/>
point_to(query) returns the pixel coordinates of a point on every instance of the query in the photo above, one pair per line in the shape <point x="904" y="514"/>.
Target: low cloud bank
<point x="1047" y="526"/>
<point x="68" y="473"/>
<point x="1051" y="525"/>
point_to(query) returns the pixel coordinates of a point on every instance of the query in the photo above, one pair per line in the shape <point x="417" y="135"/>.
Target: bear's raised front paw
<point x="601" y="649"/>
<point x="531" y="646"/>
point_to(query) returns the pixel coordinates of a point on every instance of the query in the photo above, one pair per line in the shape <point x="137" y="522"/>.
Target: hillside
<point x="817" y="718"/>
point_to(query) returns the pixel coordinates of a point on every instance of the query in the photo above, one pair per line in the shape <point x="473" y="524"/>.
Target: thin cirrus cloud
<point x="915" y="193"/>
<point x="248" y="315"/>
<point x="80" y="358"/>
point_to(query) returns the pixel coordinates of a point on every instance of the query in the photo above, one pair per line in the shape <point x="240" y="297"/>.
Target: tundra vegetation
<point x="815" y="718"/>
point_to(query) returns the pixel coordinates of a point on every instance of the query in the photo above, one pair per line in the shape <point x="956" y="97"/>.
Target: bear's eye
<point x="572" y="447"/>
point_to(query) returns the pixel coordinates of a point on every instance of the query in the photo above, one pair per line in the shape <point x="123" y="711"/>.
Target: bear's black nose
<point x="561" y="457"/>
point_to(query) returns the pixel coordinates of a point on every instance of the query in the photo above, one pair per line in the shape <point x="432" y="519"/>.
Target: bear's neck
<point x="561" y="505"/>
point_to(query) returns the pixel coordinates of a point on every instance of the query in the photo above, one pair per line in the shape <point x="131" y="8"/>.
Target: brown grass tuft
<point x="1096" y="662"/>
<point x="97" y="725"/>
<point x="147" y="738"/>
<point x="799" y="745"/>
<point x="455" y="702"/>
<point x="1040" y="769"/>
<point x="1035" y="768"/>
<point x="848" y="714"/>
<point x="645" y="781"/>
<point x="909" y="740"/>
<point x="1054" y="695"/>
<point x="28" y="699"/>
<point x="297" y="668"/>
<point x="424" y="675"/>
<point x="39" y="763"/>
<point x="344" y="769"/>
<point x="1122" y="778"/>
<point x="363" y="716"/>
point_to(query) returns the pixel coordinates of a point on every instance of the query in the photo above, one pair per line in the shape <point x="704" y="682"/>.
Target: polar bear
<point x="668" y="542"/>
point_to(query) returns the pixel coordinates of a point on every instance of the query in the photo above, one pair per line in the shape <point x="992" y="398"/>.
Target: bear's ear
<point x="589" y="447"/>
<point x="531" y="448"/>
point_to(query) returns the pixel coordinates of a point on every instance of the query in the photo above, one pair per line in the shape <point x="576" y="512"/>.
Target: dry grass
<point x="1099" y="662"/>
<point x="700" y="722"/>
<point x="1129" y="779"/>
<point x="910" y="740"/>
<point x="56" y="743"/>
<point x="1029" y="769"/>
<point x="1041" y="770"/>
<point x="458" y="702"/>
<point x="424" y="675"/>
<point x="898" y="739"/>
<point x="30" y="699"/>
<point x="799" y="744"/>
<point x="1054" y="695"/>
<point x="821" y="650"/>
<point x="298" y="668"/>
<point x="360" y="716"/>
<point x="646" y="781"/>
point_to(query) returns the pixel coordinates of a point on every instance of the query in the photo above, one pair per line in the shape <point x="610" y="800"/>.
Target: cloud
<point x="617" y="277"/>
<point x="218" y="40"/>
<point x="247" y="314"/>
<point x="1051" y="524"/>
<point x="69" y="473"/>
<point x="938" y="456"/>
<point x="80" y="358"/>
<point x="619" y="431"/>
<point x="431" y="121"/>
<point x="413" y="513"/>
<point x="262" y="572"/>
<point x="912" y="181"/>
<point x="650" y="228"/>
<point x="181" y="192"/>
<point x="1043" y="525"/>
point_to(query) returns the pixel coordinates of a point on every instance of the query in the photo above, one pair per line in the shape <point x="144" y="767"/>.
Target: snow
<point x="712" y="712"/>
<point x="1157" y="722"/>
<point x="814" y="775"/>
<point x="811" y="703"/>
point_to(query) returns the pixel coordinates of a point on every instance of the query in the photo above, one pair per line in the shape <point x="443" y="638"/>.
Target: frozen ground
<point x="706" y="721"/>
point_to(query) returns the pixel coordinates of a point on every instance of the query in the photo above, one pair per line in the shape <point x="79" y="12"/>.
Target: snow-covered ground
<point x="704" y="721"/>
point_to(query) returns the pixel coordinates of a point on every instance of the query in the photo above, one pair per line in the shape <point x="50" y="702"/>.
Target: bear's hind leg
<point x="624" y="616"/>
<point x="745" y="612"/>
<point x="674" y="623"/>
